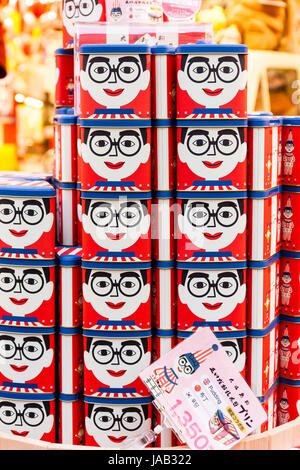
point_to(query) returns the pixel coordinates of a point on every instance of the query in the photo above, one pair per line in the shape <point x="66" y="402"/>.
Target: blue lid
<point x="264" y="332"/>
<point x="64" y="110"/>
<point x="265" y="194"/>
<point x="62" y="185"/>
<point x="289" y="319"/>
<point x="164" y="333"/>
<point x="290" y="189"/>
<point x="200" y="195"/>
<point x="44" y="263"/>
<point x="70" y="398"/>
<point x="293" y="383"/>
<point x="163" y="49"/>
<point x="70" y="259"/>
<point x="291" y="120"/>
<point x="70" y="331"/>
<point x="164" y="122"/>
<point x="290" y="254"/>
<point x="220" y="335"/>
<point x="119" y="401"/>
<point x="164" y="264"/>
<point x="91" y="123"/>
<point x="264" y="121"/>
<point x="212" y="123"/>
<point x="115" y="49"/>
<point x="164" y="194"/>
<point x="115" y="265"/>
<point x="212" y="49"/>
<point x="102" y="195"/>
<point x="211" y="264"/>
<point x="117" y="334"/>
<point x="66" y="119"/>
<point x="26" y="188"/>
<point x="62" y="51"/>
<point x="265" y="263"/>
<point x="27" y="329"/>
<point x="261" y="113"/>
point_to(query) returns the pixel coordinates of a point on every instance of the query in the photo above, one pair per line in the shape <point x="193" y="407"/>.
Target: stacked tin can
<point x="265" y="191"/>
<point x="289" y="347"/>
<point x="27" y="299"/>
<point x="212" y="193"/>
<point x="115" y="133"/>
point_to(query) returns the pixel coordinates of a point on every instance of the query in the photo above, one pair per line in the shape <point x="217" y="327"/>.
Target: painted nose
<point x="115" y="218"/>
<point x="213" y="76"/>
<point x="212" y="150"/>
<point x="113" y="77"/>
<point x="17" y="220"/>
<point x="18" y="288"/>
<point x="114" y="152"/>
<point x="212" y="222"/>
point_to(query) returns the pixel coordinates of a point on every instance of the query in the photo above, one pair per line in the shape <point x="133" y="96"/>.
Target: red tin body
<point x="211" y="81"/>
<point x="27" y="223"/>
<point x="290" y="237"/>
<point x="71" y="360"/>
<point x="264" y="153"/>
<point x="79" y="214"/>
<point x="116" y="296"/>
<point x="212" y="228"/>
<point x="108" y="435"/>
<point x="288" y="401"/>
<point x="64" y="75"/>
<point x="289" y="349"/>
<point x="123" y="89"/>
<point x="105" y="240"/>
<point x="66" y="210"/>
<point x="40" y="416"/>
<point x="27" y="290"/>
<point x="263" y="292"/>
<point x="70" y="281"/>
<point x="111" y="374"/>
<point x="115" y="155"/>
<point x="163" y="236"/>
<point x="79" y="156"/>
<point x="212" y="155"/>
<point x="289" y="282"/>
<point x="269" y="403"/>
<point x="27" y="360"/>
<point x="164" y="155"/>
<point x="65" y="166"/>
<point x="262" y="358"/>
<point x="71" y="420"/>
<point x="163" y="69"/>
<point x="290" y="150"/>
<point x="209" y="294"/>
<point x="163" y="293"/>
<point x="264" y="224"/>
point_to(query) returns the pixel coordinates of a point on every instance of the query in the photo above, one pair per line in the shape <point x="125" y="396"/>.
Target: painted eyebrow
<point x="193" y="275"/>
<point x="129" y="132"/>
<point x="32" y="271"/>
<point x="128" y="58"/>
<point x="227" y="204"/>
<point x="101" y="274"/>
<point x="102" y="341"/>
<point x="32" y="202"/>
<point x="33" y="405"/>
<point x="131" y="274"/>
<point x="198" y="59"/>
<point x="101" y="204"/>
<point x="106" y="133"/>
<point x="227" y="58"/>
<point x="103" y="408"/>
<point x="130" y="204"/>
<point x="198" y="132"/>
<point x="7" y="201"/>
<point x="199" y="204"/>
<point x="33" y="338"/>
<point x="7" y="337"/>
<point x="130" y="343"/>
<point x="130" y="410"/>
<point x="8" y="403"/>
<point x="98" y="59"/>
<point x="227" y="132"/>
<point x="232" y="275"/>
<point x="7" y="270"/>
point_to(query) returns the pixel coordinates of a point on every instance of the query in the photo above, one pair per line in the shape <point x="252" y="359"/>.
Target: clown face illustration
<point x="212" y="153"/>
<point x="116" y="224"/>
<point x="289" y="147"/>
<point x="116" y="362"/>
<point x="212" y="81"/>
<point x="114" y="80"/>
<point x="25" y="418"/>
<point x="115" y="154"/>
<point x="234" y="350"/>
<point x="113" y="426"/>
<point x="24" y="289"/>
<point x="75" y="11"/>
<point x="212" y="295"/>
<point x="23" y="221"/>
<point x="212" y="224"/>
<point x="23" y="357"/>
<point x="116" y="294"/>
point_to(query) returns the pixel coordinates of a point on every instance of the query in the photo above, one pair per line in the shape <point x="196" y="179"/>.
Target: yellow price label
<point x="235" y="419"/>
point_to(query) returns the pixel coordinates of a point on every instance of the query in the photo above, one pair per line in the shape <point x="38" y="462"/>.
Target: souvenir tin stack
<point x="264" y="149"/>
<point x="27" y="318"/>
<point x="212" y="193"/>
<point x="115" y="133"/>
<point x="289" y="348"/>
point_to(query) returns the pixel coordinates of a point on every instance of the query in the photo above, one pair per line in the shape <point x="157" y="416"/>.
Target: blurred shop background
<point x="30" y="32"/>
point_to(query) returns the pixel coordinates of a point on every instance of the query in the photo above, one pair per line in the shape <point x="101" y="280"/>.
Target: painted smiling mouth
<point x="212" y="306"/>
<point x="18" y="369"/>
<point x="117" y="440"/>
<point x="213" y="92"/>
<point x="116" y="306"/>
<point x="113" y="92"/>
<point x="212" y="165"/>
<point x="114" y="166"/>
<point x="118" y="373"/>
<point x="22" y="434"/>
<point x="115" y="236"/>
<point x="15" y="233"/>
<point x="18" y="301"/>
<point x="214" y="236"/>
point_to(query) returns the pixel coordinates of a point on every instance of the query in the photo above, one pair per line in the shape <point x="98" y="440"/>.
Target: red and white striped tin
<point x="66" y="210"/>
<point x="163" y="221"/>
<point x="115" y="81"/>
<point x="163" y="341"/>
<point x="263" y="224"/>
<point x="211" y="227"/>
<point x="269" y="403"/>
<point x="71" y="419"/>
<point x="79" y="155"/>
<point x="263" y="292"/>
<point x="264" y="136"/>
<point x="27" y="360"/>
<point x="164" y="155"/>
<point x="163" y="294"/>
<point x="211" y="81"/>
<point x="70" y="298"/>
<point x="288" y="407"/>
<point x="112" y="365"/>
<point x="115" y="155"/>
<point x="262" y="358"/>
<point x="79" y="213"/>
<point x="116" y="227"/>
<point x="64" y="77"/>
<point x="119" y="424"/>
<point x="290" y="150"/>
<point x="290" y="230"/>
<point x="212" y="155"/>
<point x="289" y="282"/>
<point x="28" y="414"/>
<point x="163" y="68"/>
<point x="116" y="297"/>
<point x="65" y="166"/>
<point x="289" y="347"/>
<point x="70" y="361"/>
